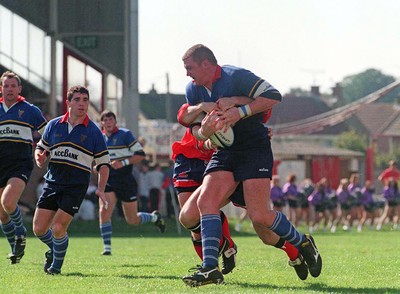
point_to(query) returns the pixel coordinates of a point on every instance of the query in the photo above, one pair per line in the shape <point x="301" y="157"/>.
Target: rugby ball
<point x="220" y="138"/>
<point x="223" y="138"/>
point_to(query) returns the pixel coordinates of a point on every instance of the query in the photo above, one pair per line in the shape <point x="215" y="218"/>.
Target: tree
<point x="382" y="159"/>
<point x="351" y="140"/>
<point x="360" y="85"/>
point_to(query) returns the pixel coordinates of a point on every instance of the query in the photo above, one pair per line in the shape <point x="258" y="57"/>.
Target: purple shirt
<point x="343" y="196"/>
<point x="276" y="194"/>
<point x="317" y="198"/>
<point x="366" y="197"/>
<point x="354" y="188"/>
<point x="289" y="190"/>
<point x="390" y="194"/>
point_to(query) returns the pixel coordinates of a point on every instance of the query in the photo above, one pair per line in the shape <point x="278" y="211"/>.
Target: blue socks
<point x="146" y="217"/>
<point x="106" y="233"/>
<point x="59" y="250"/>
<point x="284" y="229"/>
<point x="47" y="239"/>
<point x="211" y="232"/>
<point x="9" y="231"/>
<point x="16" y="216"/>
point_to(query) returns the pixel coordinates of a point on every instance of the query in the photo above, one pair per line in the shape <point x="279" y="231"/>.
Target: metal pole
<point x="130" y="99"/>
<point x="53" y="58"/>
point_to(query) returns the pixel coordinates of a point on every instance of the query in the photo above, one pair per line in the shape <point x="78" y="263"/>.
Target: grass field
<point x="144" y="261"/>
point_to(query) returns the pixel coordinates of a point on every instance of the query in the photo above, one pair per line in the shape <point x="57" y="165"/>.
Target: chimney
<point x="315" y="90"/>
<point x="337" y="91"/>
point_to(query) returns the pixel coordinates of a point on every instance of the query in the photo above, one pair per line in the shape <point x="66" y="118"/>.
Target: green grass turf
<point x="145" y="261"/>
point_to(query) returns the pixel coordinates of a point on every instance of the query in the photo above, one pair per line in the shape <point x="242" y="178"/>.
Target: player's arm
<point x="207" y="143"/>
<point x="257" y="105"/>
<point x="188" y="113"/>
<point x="134" y="159"/>
<point x="40" y="157"/>
<point x="226" y="103"/>
<point x="209" y="125"/>
<point x="103" y="172"/>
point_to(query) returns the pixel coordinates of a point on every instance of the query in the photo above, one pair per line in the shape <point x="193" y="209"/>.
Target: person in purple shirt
<point x="332" y="204"/>
<point x="346" y="202"/>
<point x="290" y="191"/>
<point x="355" y="191"/>
<point x="368" y="205"/>
<point x="277" y="196"/>
<point x="319" y="200"/>
<point x="392" y="208"/>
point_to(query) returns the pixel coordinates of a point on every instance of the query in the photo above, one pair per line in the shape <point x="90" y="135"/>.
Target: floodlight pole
<point x="130" y="99"/>
<point x="53" y="58"/>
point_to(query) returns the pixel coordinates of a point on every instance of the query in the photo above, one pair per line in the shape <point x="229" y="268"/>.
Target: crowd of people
<point x="352" y="205"/>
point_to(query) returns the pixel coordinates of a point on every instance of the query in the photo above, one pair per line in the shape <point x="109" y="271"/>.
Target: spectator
<point x="277" y="196"/>
<point x="390" y="172"/>
<point x="355" y="190"/>
<point x="144" y="187"/>
<point x="391" y="211"/>
<point x="332" y="204"/>
<point x="368" y="205"/>
<point x="346" y="202"/>
<point x="290" y="191"/>
<point x="169" y="190"/>
<point x="156" y="179"/>
<point x="307" y="188"/>
<point x="319" y="200"/>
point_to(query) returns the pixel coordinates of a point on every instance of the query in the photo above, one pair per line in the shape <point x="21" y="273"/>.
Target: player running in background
<point x="124" y="151"/>
<point x="18" y="120"/>
<point x="248" y="160"/>
<point x="72" y="142"/>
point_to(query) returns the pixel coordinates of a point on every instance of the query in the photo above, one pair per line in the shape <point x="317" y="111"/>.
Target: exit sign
<point x="86" y="42"/>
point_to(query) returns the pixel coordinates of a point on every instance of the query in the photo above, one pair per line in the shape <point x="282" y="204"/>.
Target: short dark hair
<point x="10" y="75"/>
<point x="107" y="113"/>
<point x="77" y="89"/>
<point x="199" y="53"/>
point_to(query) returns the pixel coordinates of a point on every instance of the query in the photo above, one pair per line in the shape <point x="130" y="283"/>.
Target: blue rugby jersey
<point x="121" y="145"/>
<point x="16" y="128"/>
<point x="233" y="81"/>
<point x="72" y="154"/>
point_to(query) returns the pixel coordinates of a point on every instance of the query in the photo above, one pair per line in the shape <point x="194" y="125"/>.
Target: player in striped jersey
<point x="18" y="120"/>
<point x="125" y="151"/>
<point x="72" y="142"/>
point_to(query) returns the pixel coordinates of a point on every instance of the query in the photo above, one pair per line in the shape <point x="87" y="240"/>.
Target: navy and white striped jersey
<point x="16" y="127"/>
<point x="121" y="145"/>
<point x="234" y="81"/>
<point x="72" y="153"/>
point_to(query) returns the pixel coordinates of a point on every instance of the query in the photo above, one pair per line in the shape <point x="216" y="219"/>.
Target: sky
<point x="289" y="43"/>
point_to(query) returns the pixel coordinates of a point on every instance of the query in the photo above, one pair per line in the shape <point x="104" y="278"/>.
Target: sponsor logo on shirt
<point x="20" y="113"/>
<point x="9" y="131"/>
<point x="263" y="169"/>
<point x="66" y="153"/>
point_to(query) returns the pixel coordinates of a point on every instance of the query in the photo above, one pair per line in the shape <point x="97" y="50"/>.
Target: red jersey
<point x="389" y="173"/>
<point x="190" y="148"/>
